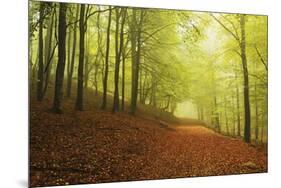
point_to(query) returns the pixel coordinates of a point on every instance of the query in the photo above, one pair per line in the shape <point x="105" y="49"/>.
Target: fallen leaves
<point x="98" y="146"/>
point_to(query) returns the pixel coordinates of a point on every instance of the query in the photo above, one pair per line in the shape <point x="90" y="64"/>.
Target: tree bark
<point x="123" y="79"/>
<point x="69" y="79"/>
<point x="104" y="101"/>
<point x="117" y="63"/>
<point x="247" y="126"/>
<point x="40" y="73"/>
<point x="153" y="91"/>
<point x="48" y="46"/>
<point x="217" y="118"/>
<point x="136" y="54"/>
<point x="61" y="58"/>
<point x="225" y="115"/>
<point x="87" y="68"/>
<point x="118" y="57"/>
<point x="256" y="115"/>
<point x="256" y="110"/>
<point x="99" y="54"/>
<point x="238" y="107"/>
<point x="79" y="99"/>
<point x="263" y="124"/>
<point x="133" y="54"/>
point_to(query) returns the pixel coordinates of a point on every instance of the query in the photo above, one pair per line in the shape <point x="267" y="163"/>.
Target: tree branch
<point x="226" y="28"/>
<point x="260" y="56"/>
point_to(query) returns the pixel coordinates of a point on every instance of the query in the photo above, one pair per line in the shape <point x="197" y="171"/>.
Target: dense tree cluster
<point x="157" y="58"/>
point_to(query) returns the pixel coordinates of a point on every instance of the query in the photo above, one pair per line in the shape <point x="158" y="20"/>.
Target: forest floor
<point x="98" y="146"/>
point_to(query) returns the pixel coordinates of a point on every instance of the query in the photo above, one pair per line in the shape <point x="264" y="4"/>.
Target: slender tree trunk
<point x="40" y="74"/>
<point x="153" y="91"/>
<point x="198" y="112"/>
<point x="69" y="79"/>
<point x="262" y="129"/>
<point x="34" y="70"/>
<point x="238" y="107"/>
<point x="217" y="121"/>
<point x="48" y="46"/>
<point x="202" y="113"/>
<point x="123" y="79"/>
<point x="173" y="107"/>
<point x="87" y="72"/>
<point x="87" y="69"/>
<point x="30" y="63"/>
<point x="133" y="54"/>
<point x="68" y="54"/>
<point x="79" y="99"/>
<point x="256" y="115"/>
<point x="225" y="115"/>
<point x="136" y="55"/>
<point x="104" y="101"/>
<point x="118" y="58"/>
<point x="166" y="108"/>
<point x="140" y="85"/>
<point x="144" y="88"/>
<point x="247" y="128"/>
<point x="96" y="79"/>
<point x="117" y="63"/>
<point x="98" y="57"/>
<point x="233" y="112"/>
<point x="61" y="58"/>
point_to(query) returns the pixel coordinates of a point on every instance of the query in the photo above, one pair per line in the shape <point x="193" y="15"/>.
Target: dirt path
<point x="199" y="151"/>
<point x="92" y="147"/>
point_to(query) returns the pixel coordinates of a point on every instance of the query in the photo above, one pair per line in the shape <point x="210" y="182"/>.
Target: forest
<point x="111" y="87"/>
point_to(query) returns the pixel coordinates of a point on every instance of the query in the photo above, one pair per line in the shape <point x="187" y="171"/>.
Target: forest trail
<point x="107" y="82"/>
<point x="98" y="146"/>
<point x="194" y="150"/>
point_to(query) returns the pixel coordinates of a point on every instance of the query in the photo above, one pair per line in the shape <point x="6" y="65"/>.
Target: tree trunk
<point x="140" y="85"/>
<point x="69" y="79"/>
<point x="99" y="55"/>
<point x="198" y="112"/>
<point x="68" y="54"/>
<point x="61" y="58"/>
<point x="256" y="115"/>
<point x="87" y="68"/>
<point x="117" y="63"/>
<point x="79" y="99"/>
<point x="238" y="107"/>
<point x="262" y="129"/>
<point x="202" y="113"/>
<point x="48" y="46"/>
<point x="34" y="69"/>
<point x="133" y="54"/>
<point x="225" y="115"/>
<point x="242" y="44"/>
<point x="153" y="91"/>
<point x="104" y="101"/>
<point x="233" y="112"/>
<point x="217" y="123"/>
<point x="247" y="126"/>
<point x="123" y="79"/>
<point x="136" y="54"/>
<point x="40" y="74"/>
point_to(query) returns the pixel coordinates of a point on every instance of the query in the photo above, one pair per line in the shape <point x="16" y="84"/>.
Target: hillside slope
<point x="97" y="146"/>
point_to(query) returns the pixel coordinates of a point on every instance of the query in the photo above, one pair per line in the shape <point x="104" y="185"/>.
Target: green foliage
<point x="184" y="56"/>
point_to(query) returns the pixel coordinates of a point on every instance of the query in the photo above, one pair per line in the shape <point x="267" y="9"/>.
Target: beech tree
<point x="211" y="67"/>
<point x="104" y="101"/>
<point x="61" y="58"/>
<point x="79" y="99"/>
<point x="40" y="75"/>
